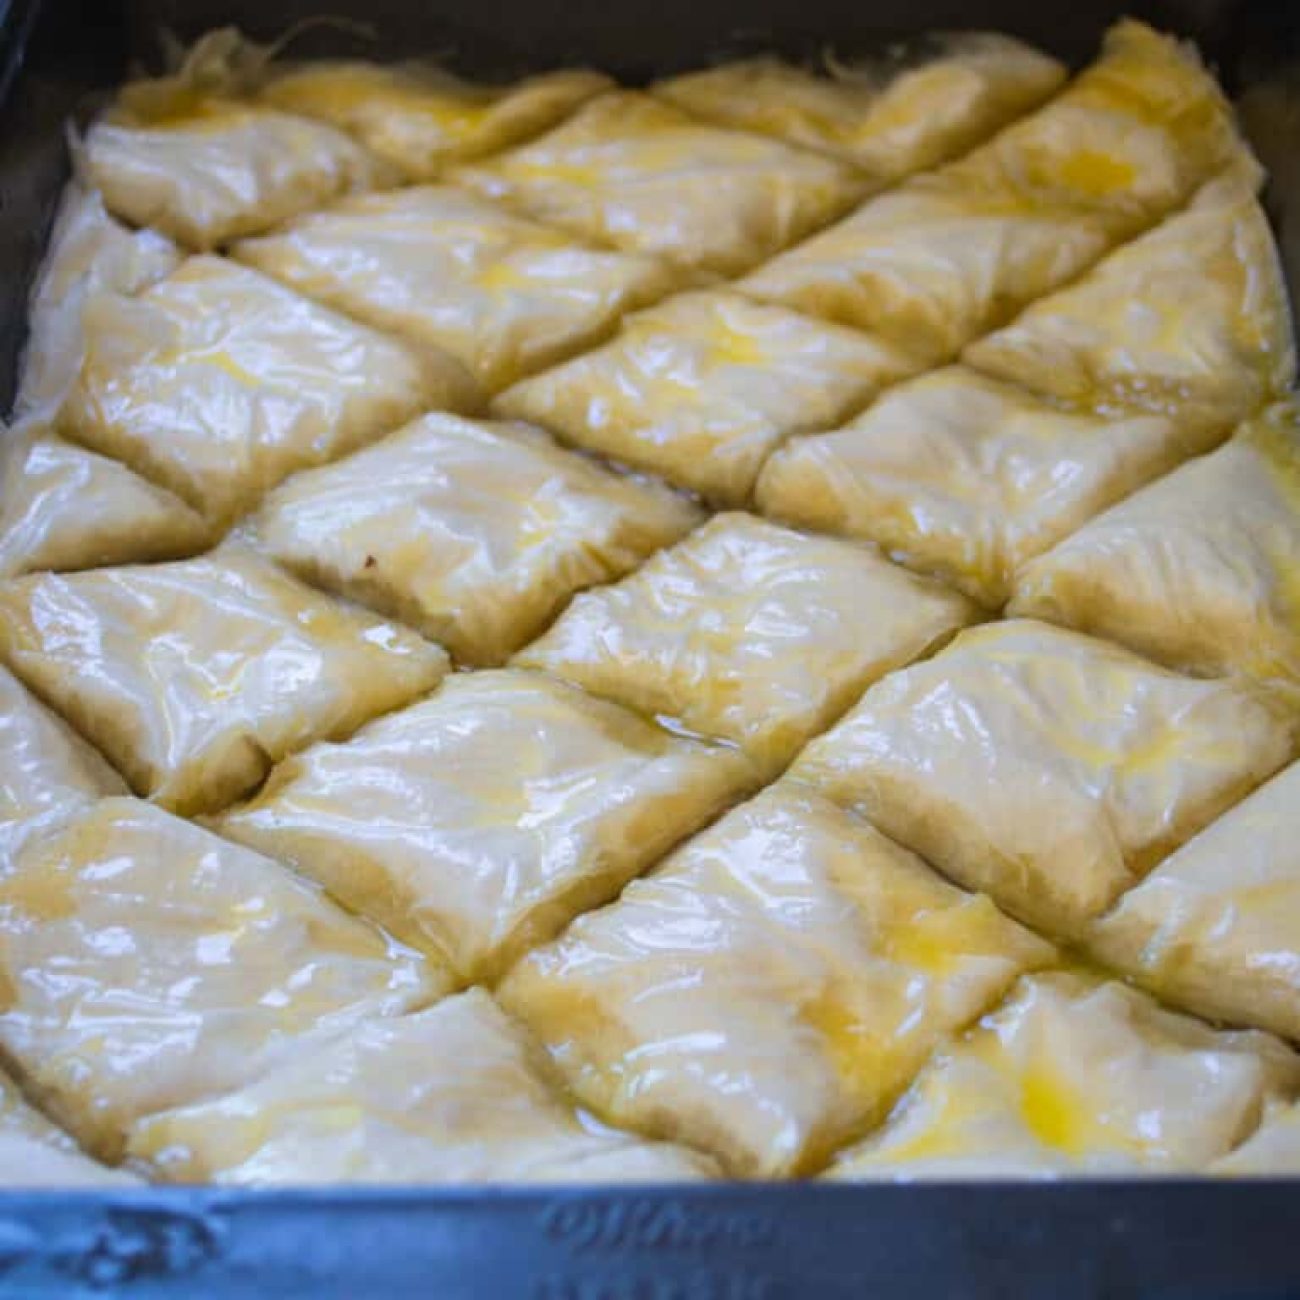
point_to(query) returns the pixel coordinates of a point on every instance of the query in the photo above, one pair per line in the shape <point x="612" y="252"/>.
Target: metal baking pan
<point x="1154" y="1240"/>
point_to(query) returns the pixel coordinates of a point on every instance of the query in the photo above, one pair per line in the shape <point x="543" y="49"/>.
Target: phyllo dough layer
<point x="1044" y="767"/>
<point x="474" y="533"/>
<point x="1200" y="570"/>
<point x="504" y="295"/>
<point x="1191" y="320"/>
<point x="33" y="1153"/>
<point x="701" y="388"/>
<point x="188" y="155"/>
<point x="1078" y="1077"/>
<point x="891" y="116"/>
<point x="64" y="507"/>
<point x="420" y="118"/>
<point x="750" y="633"/>
<point x="217" y="383"/>
<point x="1215" y="927"/>
<point x="45" y="766"/>
<point x="1273" y="1151"/>
<point x="767" y="991"/>
<point x="195" y="677"/>
<point x="455" y="1094"/>
<point x="951" y="254"/>
<point x="967" y="478"/>
<point x="638" y="174"/>
<point x="480" y="821"/>
<point x="147" y="964"/>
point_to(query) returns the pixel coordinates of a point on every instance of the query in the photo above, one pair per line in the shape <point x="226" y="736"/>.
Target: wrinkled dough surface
<point x="195" y="677"/>
<point x="455" y="1094"/>
<point x="1072" y="1077"/>
<point x="1044" y="767"/>
<point x="749" y="632"/>
<point x="479" y="822"/>
<point x="476" y="534"/>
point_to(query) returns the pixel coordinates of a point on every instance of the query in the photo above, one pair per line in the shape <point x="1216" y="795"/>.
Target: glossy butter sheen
<point x="951" y="254"/>
<point x="455" y="1094"/>
<point x="889" y="117"/>
<point x="421" y="118"/>
<point x="1216" y="927"/>
<point x="1200" y="570"/>
<point x="504" y="295"/>
<point x="218" y="382"/>
<point x="146" y="963"/>
<point x="1076" y="1078"/>
<point x="749" y="632"/>
<point x="960" y="476"/>
<point x="638" y="174"/>
<point x="209" y="169"/>
<point x="480" y="821"/>
<point x="765" y="992"/>
<point x="1191" y="321"/>
<point x="195" y="677"/>
<point x="474" y="533"/>
<point x="1047" y="768"/>
<point x="701" y="388"/>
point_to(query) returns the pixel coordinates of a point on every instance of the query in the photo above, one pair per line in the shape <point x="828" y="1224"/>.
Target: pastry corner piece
<point x="633" y="172"/>
<point x="749" y="632"/>
<point x="148" y="963"/>
<point x="194" y="156"/>
<point x="454" y="1094"/>
<point x="1215" y="928"/>
<point x="1074" y="1076"/>
<point x="913" y="107"/>
<point x="477" y="823"/>
<point x="475" y="533"/>
<point x="1198" y="570"/>
<point x="34" y="1153"/>
<point x="702" y="387"/>
<point x="195" y="677"/>
<point x="1047" y="768"/>
<point x="767" y="991"/>
<point x="420" y="118"/>
<point x="217" y="382"/>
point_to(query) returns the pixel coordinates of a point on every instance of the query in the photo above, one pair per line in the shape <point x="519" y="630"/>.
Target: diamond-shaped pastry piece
<point x="33" y="1153"/>
<point x="767" y="990"/>
<point x="1044" y="767"/>
<point x="1272" y="1151"/>
<point x="641" y="175"/>
<point x="961" y="476"/>
<point x="195" y="677"/>
<point x="64" y="507"/>
<point x="1200" y="570"/>
<point x="952" y="254"/>
<point x="480" y="821"/>
<point x="503" y="294"/>
<point x="146" y="964"/>
<point x="206" y="169"/>
<point x="701" y="388"/>
<point x="46" y="766"/>
<point x="474" y="533"/>
<point x="1216" y="926"/>
<point x="1190" y="320"/>
<point x="913" y="109"/>
<point x="455" y="1094"/>
<point x="749" y="632"/>
<point x="420" y="118"/>
<point x="217" y="383"/>
<point x="1078" y="1077"/>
